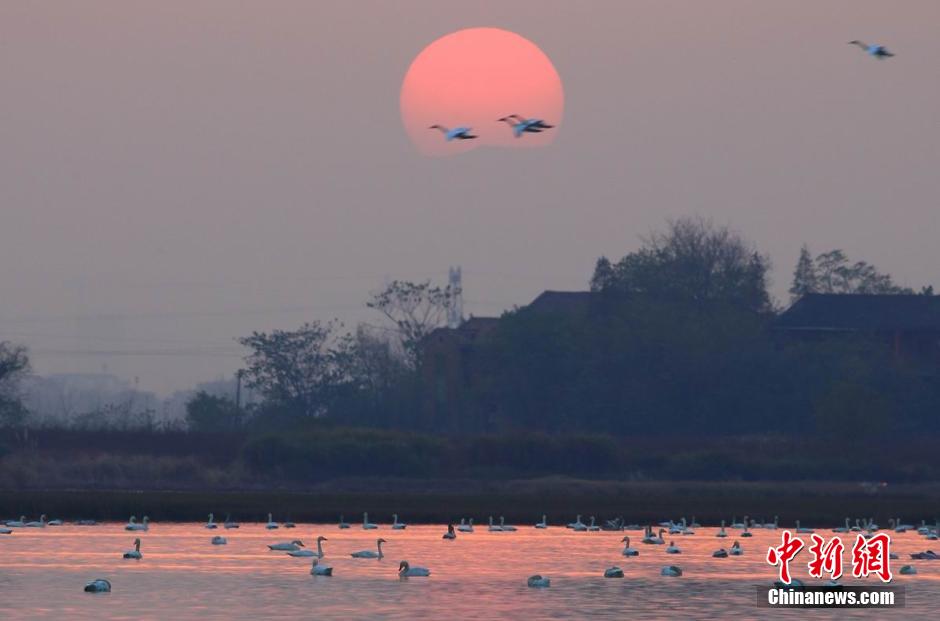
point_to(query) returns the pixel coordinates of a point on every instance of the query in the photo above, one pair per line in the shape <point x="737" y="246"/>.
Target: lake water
<point x="478" y="576"/>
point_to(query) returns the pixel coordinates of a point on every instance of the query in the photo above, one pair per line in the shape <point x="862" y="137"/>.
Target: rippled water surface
<point x="478" y="576"/>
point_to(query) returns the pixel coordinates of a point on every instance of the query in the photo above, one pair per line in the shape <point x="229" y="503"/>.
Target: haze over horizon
<point x="177" y="174"/>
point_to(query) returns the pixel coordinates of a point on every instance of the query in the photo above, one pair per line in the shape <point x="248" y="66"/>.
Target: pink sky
<point x="175" y="174"/>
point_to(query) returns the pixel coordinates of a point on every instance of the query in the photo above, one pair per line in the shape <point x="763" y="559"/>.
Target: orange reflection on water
<point x="478" y="576"/>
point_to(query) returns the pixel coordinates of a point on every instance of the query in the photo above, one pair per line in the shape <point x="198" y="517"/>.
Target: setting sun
<point x="471" y="78"/>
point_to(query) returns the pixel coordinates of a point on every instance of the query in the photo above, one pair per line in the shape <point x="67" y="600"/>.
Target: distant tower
<point x="455" y="312"/>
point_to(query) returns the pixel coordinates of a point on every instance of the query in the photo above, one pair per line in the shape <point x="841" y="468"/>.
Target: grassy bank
<point x="521" y="501"/>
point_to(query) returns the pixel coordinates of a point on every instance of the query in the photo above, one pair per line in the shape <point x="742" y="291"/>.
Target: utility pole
<point x="455" y="284"/>
<point x="238" y="388"/>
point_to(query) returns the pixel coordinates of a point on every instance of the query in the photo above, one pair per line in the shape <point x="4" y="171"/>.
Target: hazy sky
<point x="174" y="174"/>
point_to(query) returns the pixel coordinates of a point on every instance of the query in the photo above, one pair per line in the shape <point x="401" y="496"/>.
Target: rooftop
<point x="862" y="312"/>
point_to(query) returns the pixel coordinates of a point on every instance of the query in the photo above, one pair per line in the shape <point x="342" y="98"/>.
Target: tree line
<point x="677" y="338"/>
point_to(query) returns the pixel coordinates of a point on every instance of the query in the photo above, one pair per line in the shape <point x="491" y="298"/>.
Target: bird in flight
<point x="518" y="127"/>
<point x="458" y="133"/>
<point x="536" y="123"/>
<point x="878" y="51"/>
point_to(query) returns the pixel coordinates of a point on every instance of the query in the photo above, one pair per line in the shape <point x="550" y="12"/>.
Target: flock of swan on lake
<point x="676" y="530"/>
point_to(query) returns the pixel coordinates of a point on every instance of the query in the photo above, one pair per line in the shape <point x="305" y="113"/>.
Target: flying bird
<point x="536" y="123"/>
<point x="519" y="127"/>
<point x="878" y="51"/>
<point x="458" y="133"/>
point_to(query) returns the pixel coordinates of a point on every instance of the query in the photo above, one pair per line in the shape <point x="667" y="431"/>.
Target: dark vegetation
<point x="315" y="454"/>
<point x="673" y="371"/>
<point x="521" y="502"/>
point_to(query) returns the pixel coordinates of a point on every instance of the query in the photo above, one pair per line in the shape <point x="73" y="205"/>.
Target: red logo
<point x="872" y="556"/>
<point x="869" y="556"/>
<point x="827" y="557"/>
<point x="784" y="553"/>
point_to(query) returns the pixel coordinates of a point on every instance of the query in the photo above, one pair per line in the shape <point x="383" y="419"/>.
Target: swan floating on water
<point x="721" y="531"/>
<point x="736" y="549"/>
<point x="627" y="550"/>
<point x="135" y="553"/>
<point x="342" y="522"/>
<point x="465" y="528"/>
<point x="746" y="533"/>
<point x="539" y="581"/>
<point x="505" y="527"/>
<point x="218" y="540"/>
<point x="803" y="529"/>
<point x="316" y="569"/>
<point x="289" y="524"/>
<point x="843" y="529"/>
<point x="592" y="527"/>
<point x="613" y="572"/>
<point x="6" y="531"/>
<point x="672" y="571"/>
<point x="40" y="524"/>
<point x="650" y="539"/>
<point x="396" y="525"/>
<point x="577" y="525"/>
<point x="211" y="525"/>
<point x="229" y="523"/>
<point x="287" y="546"/>
<point x="672" y="548"/>
<point x="307" y="553"/>
<point x="493" y="528"/>
<point x="99" y="585"/>
<point x="928" y="555"/>
<point x="407" y="571"/>
<point x="54" y="523"/>
<point x="457" y="133"/>
<point x="720" y="553"/>
<point x="876" y="51"/>
<point x="271" y="525"/>
<point x="795" y="583"/>
<point x="366" y="524"/>
<point x="132" y="524"/>
<point x="908" y="570"/>
<point x="370" y="553"/>
<point x="543" y="524"/>
<point x="451" y="533"/>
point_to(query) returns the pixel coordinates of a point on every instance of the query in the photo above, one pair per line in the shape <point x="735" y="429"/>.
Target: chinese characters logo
<point x="870" y="555"/>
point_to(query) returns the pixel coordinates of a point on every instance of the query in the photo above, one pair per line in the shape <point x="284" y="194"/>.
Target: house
<point x="908" y="324"/>
<point x="452" y="366"/>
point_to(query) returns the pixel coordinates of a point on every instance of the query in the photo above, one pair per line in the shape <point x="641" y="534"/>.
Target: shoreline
<point x="520" y="501"/>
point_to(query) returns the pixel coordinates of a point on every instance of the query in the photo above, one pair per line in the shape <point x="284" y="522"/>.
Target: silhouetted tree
<point x="14" y="364"/>
<point x="692" y="261"/>
<point x="804" y="276"/>
<point x="296" y="370"/>
<point x="832" y="272"/>
<point x="205" y="412"/>
<point x="415" y="309"/>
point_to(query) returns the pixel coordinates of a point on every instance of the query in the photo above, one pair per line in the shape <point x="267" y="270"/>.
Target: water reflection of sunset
<point x="479" y="575"/>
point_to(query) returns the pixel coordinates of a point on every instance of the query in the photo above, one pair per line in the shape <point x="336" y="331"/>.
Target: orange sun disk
<point x="472" y="77"/>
